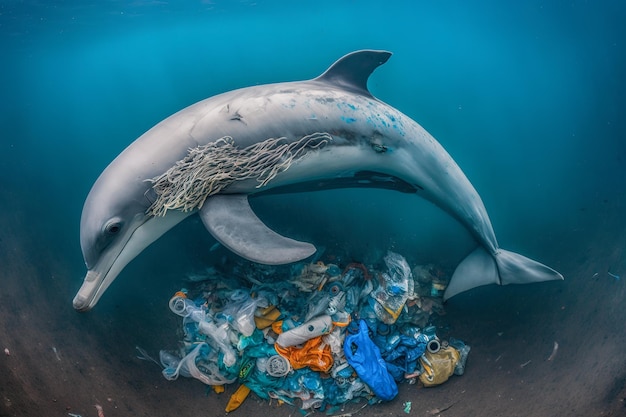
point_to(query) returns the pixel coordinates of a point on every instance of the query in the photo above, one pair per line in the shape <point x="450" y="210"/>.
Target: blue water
<point x="528" y="97"/>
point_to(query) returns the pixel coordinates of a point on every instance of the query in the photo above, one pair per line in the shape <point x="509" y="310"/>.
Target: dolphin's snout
<point x="81" y="303"/>
<point x="86" y="296"/>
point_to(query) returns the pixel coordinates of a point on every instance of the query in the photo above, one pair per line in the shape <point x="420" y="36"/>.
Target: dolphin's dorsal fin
<point x="230" y="219"/>
<point x="352" y="71"/>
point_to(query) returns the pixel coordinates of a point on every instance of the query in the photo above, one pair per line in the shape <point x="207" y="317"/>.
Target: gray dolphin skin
<point x="328" y="132"/>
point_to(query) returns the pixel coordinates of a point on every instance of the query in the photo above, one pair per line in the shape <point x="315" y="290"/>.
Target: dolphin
<point x="327" y="132"/>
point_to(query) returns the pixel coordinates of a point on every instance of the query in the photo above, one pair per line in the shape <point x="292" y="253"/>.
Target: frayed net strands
<point x="208" y="169"/>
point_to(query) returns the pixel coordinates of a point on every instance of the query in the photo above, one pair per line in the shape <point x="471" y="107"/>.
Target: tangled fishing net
<point x="208" y="169"/>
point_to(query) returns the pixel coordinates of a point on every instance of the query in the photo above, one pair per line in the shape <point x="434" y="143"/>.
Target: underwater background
<point x="528" y="97"/>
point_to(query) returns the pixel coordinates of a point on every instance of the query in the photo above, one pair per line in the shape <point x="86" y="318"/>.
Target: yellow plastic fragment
<point x="218" y="389"/>
<point x="237" y="398"/>
<point x="267" y="316"/>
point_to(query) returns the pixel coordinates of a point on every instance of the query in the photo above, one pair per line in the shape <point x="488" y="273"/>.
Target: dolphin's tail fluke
<point x="503" y="268"/>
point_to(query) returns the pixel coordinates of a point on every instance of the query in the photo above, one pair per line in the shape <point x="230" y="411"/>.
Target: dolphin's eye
<point x="113" y="227"/>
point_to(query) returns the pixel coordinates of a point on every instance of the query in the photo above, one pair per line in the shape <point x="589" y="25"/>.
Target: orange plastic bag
<point x="314" y="354"/>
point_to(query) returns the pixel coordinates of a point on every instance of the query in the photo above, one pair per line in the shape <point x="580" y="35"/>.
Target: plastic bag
<point x="314" y="354"/>
<point x="240" y="312"/>
<point x="218" y="337"/>
<point x="397" y="286"/>
<point x="187" y="366"/>
<point x="364" y="356"/>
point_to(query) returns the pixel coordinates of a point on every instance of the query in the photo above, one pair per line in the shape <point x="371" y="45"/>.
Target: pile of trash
<point x="314" y="335"/>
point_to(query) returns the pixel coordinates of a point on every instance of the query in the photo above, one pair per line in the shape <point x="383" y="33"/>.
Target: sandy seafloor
<point x="527" y="97"/>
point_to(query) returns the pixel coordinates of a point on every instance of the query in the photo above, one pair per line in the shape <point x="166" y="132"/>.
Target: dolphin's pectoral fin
<point x="232" y="222"/>
<point x="481" y="268"/>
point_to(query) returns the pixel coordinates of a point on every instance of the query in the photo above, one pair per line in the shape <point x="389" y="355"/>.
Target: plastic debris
<point x="407" y="407"/>
<point x="56" y="353"/>
<point x="237" y="398"/>
<point x="439" y="366"/>
<point x="395" y="288"/>
<point x="438" y="411"/>
<point x="306" y="331"/>
<point x="364" y="356"/>
<point x="144" y="356"/>
<point x="555" y="349"/>
<point x="315" y="336"/>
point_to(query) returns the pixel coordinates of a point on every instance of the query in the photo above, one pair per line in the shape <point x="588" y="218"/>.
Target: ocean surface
<point x="528" y="97"/>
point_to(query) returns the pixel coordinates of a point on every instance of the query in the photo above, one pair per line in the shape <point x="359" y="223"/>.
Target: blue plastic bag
<point x="364" y="356"/>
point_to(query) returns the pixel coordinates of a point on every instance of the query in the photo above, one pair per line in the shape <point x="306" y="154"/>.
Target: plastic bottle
<point x="430" y="332"/>
<point x="433" y="345"/>
<point x="393" y="340"/>
<point x="184" y="307"/>
<point x="312" y="403"/>
<point x="313" y="328"/>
